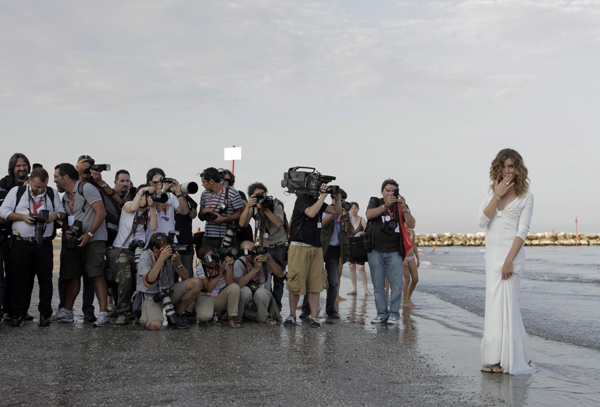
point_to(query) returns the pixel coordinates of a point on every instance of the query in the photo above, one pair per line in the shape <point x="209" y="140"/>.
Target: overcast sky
<point x="423" y="92"/>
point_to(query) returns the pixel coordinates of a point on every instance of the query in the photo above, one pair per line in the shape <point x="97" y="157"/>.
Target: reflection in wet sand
<point x="504" y="388"/>
<point x="357" y="310"/>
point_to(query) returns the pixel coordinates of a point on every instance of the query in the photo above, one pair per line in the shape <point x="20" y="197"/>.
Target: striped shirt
<point x="213" y="201"/>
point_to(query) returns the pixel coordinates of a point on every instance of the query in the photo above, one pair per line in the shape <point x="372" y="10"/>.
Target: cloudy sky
<point x="423" y="92"/>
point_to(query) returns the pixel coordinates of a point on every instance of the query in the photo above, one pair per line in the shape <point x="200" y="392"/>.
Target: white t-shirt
<point x="165" y="218"/>
<point x="126" y="223"/>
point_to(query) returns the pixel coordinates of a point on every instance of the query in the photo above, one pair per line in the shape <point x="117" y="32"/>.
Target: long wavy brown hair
<point x="521" y="181"/>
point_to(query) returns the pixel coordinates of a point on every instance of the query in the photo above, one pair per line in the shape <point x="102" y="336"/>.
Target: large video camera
<point x="39" y="225"/>
<point x="307" y="180"/>
<point x="76" y="229"/>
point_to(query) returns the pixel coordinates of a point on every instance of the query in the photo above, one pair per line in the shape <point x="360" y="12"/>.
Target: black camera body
<point x="100" y="167"/>
<point x="346" y="206"/>
<point x="39" y="224"/>
<point x="212" y="216"/>
<point x="166" y="180"/>
<point x="223" y="252"/>
<point x="161" y="197"/>
<point x="76" y="230"/>
<point x="306" y="180"/>
<point x="257" y="250"/>
<point x="266" y="202"/>
<point x="389" y="226"/>
<point x="182" y="249"/>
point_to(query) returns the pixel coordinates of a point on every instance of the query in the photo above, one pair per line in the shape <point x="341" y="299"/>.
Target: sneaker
<point x="304" y="316"/>
<point x="17" y="322"/>
<point x="122" y="320"/>
<point x="334" y="315"/>
<point x="44" y="322"/>
<point x="89" y="317"/>
<point x="315" y="323"/>
<point x="62" y="315"/>
<point x="102" y="320"/>
<point x="179" y="325"/>
<point x="290" y="321"/>
<point x="378" y="320"/>
<point x="392" y="321"/>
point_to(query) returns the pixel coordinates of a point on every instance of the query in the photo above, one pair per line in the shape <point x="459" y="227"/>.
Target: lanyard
<point x="73" y="198"/>
<point x="218" y="199"/>
<point x="36" y="205"/>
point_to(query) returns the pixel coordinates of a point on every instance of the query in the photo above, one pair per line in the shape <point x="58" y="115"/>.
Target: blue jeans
<point x="390" y="265"/>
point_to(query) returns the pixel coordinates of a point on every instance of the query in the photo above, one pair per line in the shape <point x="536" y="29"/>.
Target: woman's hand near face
<point x="503" y="186"/>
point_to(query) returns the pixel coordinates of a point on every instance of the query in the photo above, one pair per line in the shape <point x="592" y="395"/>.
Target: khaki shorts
<point x="306" y="271"/>
<point x="153" y="311"/>
<point x="91" y="258"/>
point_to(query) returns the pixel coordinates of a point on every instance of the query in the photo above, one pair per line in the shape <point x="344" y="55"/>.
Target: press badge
<point x="71" y="219"/>
<point x="266" y="235"/>
<point x="318" y="224"/>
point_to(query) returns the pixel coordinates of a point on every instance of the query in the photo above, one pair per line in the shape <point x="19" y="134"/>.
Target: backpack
<point x="113" y="209"/>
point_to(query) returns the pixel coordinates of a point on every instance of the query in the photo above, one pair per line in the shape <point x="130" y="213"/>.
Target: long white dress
<point x="504" y="338"/>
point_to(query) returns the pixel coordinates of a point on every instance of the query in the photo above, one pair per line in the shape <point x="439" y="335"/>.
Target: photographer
<point x="122" y="183"/>
<point x="220" y="206"/>
<point x="18" y="170"/>
<point x="334" y="241"/>
<point x="175" y="201"/>
<point x="252" y="272"/>
<point x="89" y="171"/>
<point x="156" y="268"/>
<point x="183" y="224"/>
<point x="269" y="230"/>
<point x="32" y="209"/>
<point x="84" y="241"/>
<point x="387" y="216"/>
<point x="220" y="292"/>
<point x="305" y="259"/>
<point x="137" y="218"/>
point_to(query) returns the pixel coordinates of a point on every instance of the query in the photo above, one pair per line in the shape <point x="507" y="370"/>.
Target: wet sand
<point x="431" y="358"/>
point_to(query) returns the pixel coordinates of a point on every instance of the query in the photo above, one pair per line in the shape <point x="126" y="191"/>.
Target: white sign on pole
<point x="232" y="153"/>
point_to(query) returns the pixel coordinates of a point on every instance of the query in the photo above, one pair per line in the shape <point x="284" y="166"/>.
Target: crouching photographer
<point x="252" y="272"/>
<point x="156" y="268"/>
<point x="270" y="230"/>
<point x="137" y="218"/>
<point x="220" y="292"/>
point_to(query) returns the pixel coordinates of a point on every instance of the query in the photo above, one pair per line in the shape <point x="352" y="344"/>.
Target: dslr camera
<point x="258" y="250"/>
<point x="164" y="296"/>
<point x="96" y="167"/>
<point x="223" y="252"/>
<point x="307" y="180"/>
<point x="210" y="216"/>
<point x="76" y="230"/>
<point x="266" y="202"/>
<point x="137" y="247"/>
<point x="182" y="249"/>
<point x="39" y="224"/>
<point x="187" y="188"/>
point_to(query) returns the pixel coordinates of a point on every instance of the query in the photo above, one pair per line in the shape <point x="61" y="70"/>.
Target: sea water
<point x="559" y="295"/>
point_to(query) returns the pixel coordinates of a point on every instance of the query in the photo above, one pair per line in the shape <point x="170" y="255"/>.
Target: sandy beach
<point x="431" y="358"/>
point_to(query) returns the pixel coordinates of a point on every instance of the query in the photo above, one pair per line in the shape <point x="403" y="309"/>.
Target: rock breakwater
<point x="533" y="239"/>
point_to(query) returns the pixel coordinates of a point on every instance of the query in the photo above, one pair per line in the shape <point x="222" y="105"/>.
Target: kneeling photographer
<point x="252" y="272"/>
<point x="270" y="230"/>
<point x="220" y="292"/>
<point x="156" y="267"/>
<point x="138" y="217"/>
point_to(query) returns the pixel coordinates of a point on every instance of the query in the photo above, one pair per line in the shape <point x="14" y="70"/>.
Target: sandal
<point x="493" y="369"/>
<point x="270" y="321"/>
<point x="232" y="323"/>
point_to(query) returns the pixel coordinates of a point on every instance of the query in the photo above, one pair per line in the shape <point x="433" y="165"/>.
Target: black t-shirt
<point x="383" y="242"/>
<point x="304" y="229"/>
<point x="183" y="223"/>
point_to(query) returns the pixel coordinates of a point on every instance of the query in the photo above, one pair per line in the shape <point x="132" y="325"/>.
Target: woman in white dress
<point x="505" y="212"/>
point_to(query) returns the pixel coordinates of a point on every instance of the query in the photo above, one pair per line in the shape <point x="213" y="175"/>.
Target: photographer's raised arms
<point x="135" y="250"/>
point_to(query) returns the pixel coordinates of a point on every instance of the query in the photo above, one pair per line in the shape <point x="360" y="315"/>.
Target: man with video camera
<point x="306" y="274"/>
<point x="387" y="216"/>
<point x="252" y="272"/>
<point x="220" y="292"/>
<point x="220" y="206"/>
<point x="32" y="209"/>
<point x="269" y="230"/>
<point x="156" y="268"/>
<point x="84" y="242"/>
<point x="137" y="218"/>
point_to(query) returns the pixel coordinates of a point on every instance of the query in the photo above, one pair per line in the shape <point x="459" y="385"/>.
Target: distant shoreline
<point x="533" y="239"/>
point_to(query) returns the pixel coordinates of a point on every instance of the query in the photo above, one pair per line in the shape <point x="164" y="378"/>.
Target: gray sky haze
<point x="423" y="92"/>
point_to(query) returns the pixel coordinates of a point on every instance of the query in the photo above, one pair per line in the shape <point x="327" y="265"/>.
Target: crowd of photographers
<point x="133" y="246"/>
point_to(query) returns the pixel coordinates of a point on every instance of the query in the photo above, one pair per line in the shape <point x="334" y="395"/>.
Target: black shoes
<point x="17" y="322"/>
<point x="44" y="322"/>
<point x="89" y="317"/>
